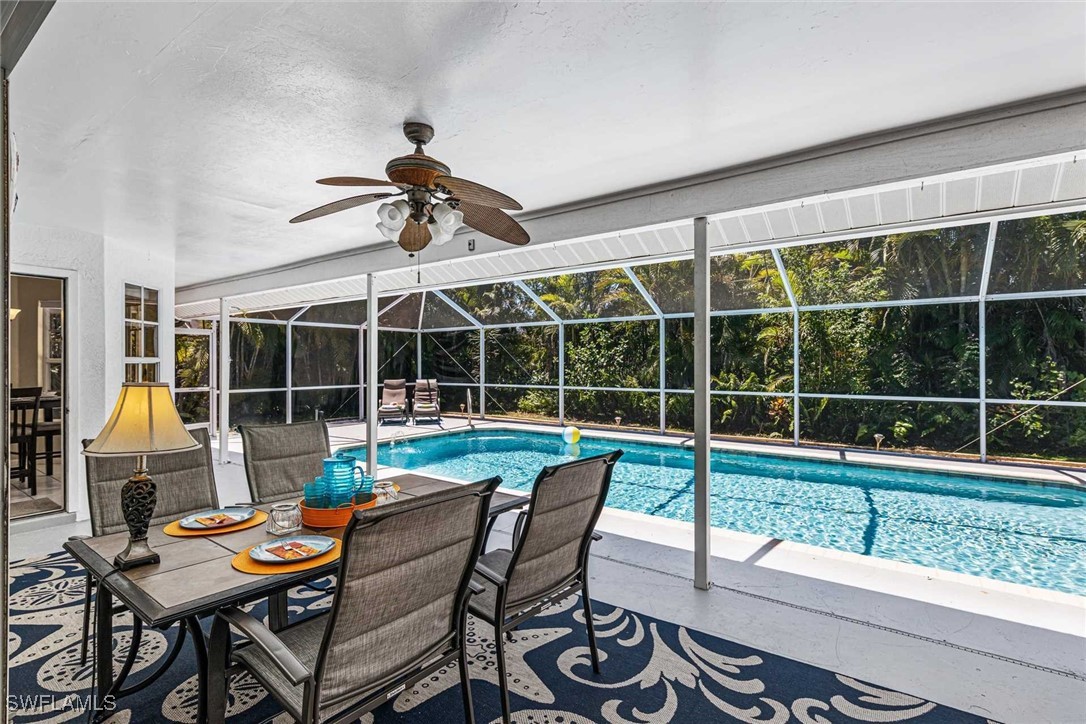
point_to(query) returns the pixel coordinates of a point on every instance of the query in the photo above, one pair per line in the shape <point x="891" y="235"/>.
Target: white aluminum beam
<point x="475" y="323"/>
<point x="982" y="340"/>
<point x="371" y="375"/>
<point x="783" y="272"/>
<point x="224" y="381"/>
<point x="537" y="299"/>
<point x="702" y="411"/>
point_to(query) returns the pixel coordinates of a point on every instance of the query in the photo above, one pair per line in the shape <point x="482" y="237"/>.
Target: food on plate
<point x="292" y="550"/>
<point x="216" y="520"/>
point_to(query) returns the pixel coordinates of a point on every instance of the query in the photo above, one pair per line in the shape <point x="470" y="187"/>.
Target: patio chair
<point x="398" y="616"/>
<point x="426" y="404"/>
<point x="549" y="557"/>
<point x="393" y="401"/>
<point x="280" y="459"/>
<point x="184" y="483"/>
<point x="23" y="434"/>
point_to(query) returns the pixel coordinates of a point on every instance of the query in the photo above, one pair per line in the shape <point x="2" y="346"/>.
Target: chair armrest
<point x="260" y="635"/>
<point x="246" y="504"/>
<point x="489" y="575"/>
<point x="518" y="527"/>
<point x="73" y="538"/>
<point x="475" y="587"/>
<point x="596" y="536"/>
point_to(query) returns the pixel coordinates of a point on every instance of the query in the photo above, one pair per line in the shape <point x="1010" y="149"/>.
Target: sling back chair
<point x="399" y="614"/>
<point x="393" y="401"/>
<point x="549" y="558"/>
<point x="280" y="459"/>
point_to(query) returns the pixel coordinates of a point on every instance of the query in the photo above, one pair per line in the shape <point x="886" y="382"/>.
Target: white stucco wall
<point x="97" y="269"/>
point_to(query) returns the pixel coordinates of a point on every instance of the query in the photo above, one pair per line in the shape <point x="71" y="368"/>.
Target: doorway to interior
<point x="38" y="399"/>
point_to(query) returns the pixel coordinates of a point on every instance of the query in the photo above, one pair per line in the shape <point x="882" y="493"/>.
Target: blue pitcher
<point x="344" y="478"/>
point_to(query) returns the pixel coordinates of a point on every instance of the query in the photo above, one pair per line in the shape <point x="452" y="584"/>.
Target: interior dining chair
<point x="549" y="558"/>
<point x="399" y="614"/>
<point x="25" y="404"/>
<point x="280" y="459"/>
<point x="184" y="484"/>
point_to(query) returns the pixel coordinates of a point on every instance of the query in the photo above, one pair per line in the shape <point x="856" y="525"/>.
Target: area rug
<point x="652" y="671"/>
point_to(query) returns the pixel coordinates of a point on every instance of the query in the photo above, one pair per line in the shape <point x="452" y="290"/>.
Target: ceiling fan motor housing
<point x="416" y="169"/>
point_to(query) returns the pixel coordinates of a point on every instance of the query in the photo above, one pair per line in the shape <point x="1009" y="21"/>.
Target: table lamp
<point x="144" y="422"/>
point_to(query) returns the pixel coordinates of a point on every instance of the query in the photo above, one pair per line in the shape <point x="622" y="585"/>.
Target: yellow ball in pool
<point x="571" y="435"/>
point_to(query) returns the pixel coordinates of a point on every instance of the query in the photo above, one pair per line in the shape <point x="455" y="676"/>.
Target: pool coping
<point x="1024" y="473"/>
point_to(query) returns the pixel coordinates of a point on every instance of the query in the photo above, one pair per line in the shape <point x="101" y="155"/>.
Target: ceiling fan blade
<point x="355" y="181"/>
<point x="476" y="193"/>
<point x="341" y="205"/>
<point x="414" y="237"/>
<point x="494" y="222"/>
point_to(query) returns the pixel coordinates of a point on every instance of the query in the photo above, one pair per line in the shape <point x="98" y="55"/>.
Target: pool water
<point x="1008" y="531"/>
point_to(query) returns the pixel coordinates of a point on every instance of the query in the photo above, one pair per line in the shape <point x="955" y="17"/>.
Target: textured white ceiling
<point x="1057" y="181"/>
<point x="204" y="125"/>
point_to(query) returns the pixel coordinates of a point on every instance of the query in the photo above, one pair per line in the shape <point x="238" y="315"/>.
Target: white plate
<point x="319" y="544"/>
<point x="240" y="515"/>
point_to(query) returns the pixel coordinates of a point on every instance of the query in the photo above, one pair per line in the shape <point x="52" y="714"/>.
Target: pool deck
<point x="1008" y="652"/>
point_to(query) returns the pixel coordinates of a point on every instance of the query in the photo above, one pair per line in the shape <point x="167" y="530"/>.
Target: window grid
<point x="142" y="358"/>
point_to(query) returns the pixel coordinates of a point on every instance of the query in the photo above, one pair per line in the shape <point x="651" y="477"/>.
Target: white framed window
<point x="50" y="347"/>
<point x="141" y="343"/>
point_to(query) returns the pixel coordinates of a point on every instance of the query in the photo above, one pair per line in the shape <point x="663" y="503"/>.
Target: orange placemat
<point x="242" y="562"/>
<point x="177" y="531"/>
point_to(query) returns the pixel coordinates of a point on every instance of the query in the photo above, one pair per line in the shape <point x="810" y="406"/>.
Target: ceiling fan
<point x="435" y="203"/>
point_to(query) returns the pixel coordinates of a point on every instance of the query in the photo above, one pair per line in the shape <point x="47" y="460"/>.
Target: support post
<point x="362" y="372"/>
<point x="663" y="376"/>
<point x="561" y="374"/>
<point x="224" y="381"/>
<point x="372" y="334"/>
<point x="290" y="371"/>
<point x="651" y="302"/>
<point x="482" y="373"/>
<point x="702" y="540"/>
<point x="795" y="341"/>
<point x="982" y="341"/>
<point x="5" y="269"/>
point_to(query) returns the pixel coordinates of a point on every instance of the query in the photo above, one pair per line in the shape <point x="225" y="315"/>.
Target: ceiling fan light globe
<point x="390" y="233"/>
<point x="447" y="218"/>
<point x="394" y="215"/>
<point x="438" y="235"/>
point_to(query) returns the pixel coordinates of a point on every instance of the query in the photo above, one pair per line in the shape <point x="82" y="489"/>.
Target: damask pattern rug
<point x="652" y="671"/>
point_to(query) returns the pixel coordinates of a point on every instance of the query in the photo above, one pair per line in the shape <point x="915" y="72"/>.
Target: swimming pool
<point x="1029" y="534"/>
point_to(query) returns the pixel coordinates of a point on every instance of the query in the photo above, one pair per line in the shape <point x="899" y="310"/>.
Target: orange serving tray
<point x="325" y="518"/>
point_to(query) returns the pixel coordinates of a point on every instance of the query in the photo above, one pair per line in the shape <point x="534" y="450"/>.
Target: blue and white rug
<point x="653" y="671"/>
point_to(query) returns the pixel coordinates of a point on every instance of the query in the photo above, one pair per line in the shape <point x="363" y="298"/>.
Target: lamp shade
<point x="144" y="422"/>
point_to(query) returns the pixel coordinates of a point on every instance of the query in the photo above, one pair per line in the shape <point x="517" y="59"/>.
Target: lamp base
<point x="136" y="553"/>
<point x="138" y="499"/>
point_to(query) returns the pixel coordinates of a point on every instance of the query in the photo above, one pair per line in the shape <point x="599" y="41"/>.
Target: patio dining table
<point x="195" y="578"/>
